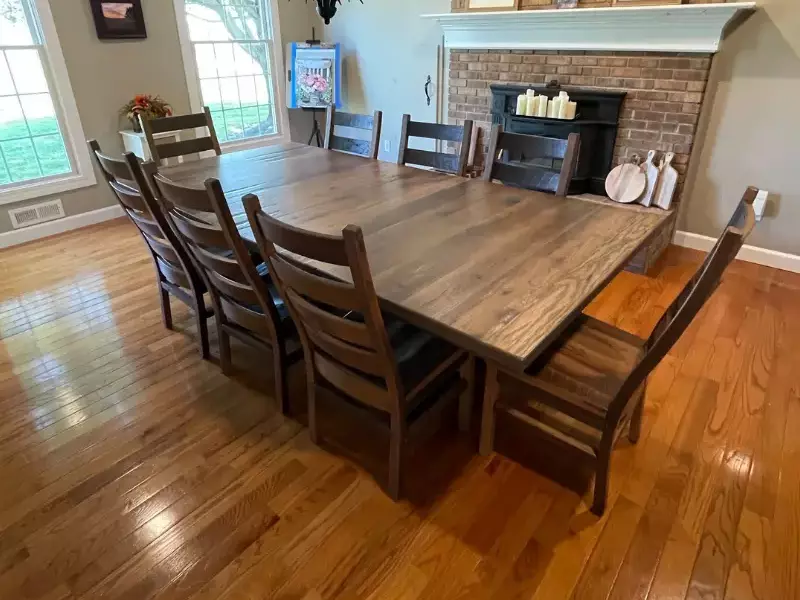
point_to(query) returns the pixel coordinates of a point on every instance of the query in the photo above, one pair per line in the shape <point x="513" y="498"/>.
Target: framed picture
<point x="486" y="5"/>
<point x="566" y="3"/>
<point x="118" y="20"/>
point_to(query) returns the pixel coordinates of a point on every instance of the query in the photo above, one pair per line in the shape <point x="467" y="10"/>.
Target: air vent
<point x="36" y="213"/>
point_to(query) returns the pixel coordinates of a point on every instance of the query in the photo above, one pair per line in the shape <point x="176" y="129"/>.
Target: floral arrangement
<point x="314" y="89"/>
<point x="153" y="107"/>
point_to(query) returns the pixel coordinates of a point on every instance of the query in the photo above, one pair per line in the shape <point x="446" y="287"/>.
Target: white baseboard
<point x="753" y="254"/>
<point x="35" y="232"/>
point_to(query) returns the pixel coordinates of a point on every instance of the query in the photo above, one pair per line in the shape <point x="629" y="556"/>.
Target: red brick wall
<point x="660" y="112"/>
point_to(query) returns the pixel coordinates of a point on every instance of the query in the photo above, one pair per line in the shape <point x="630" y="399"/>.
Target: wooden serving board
<point x="667" y="183"/>
<point x="652" y="172"/>
<point x="626" y="183"/>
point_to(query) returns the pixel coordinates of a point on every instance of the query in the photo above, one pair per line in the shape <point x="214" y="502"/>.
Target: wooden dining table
<point x="496" y="270"/>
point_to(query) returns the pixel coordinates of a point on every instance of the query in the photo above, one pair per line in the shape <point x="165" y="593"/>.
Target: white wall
<point x="388" y="52"/>
<point x="750" y="130"/>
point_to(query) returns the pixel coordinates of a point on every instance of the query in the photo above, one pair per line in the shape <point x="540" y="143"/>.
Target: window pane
<point x="21" y="159"/>
<point x="247" y="91"/>
<point x="266" y="119"/>
<point x="206" y="60"/>
<point x="52" y="154"/>
<point x="40" y="114"/>
<point x="5" y="177"/>
<point x="226" y="65"/>
<point x="209" y="88"/>
<point x="233" y="124"/>
<point x="6" y="83"/>
<point x="14" y="28"/>
<point x="12" y="120"/>
<point x="230" y="93"/>
<point x="219" y="125"/>
<point x="26" y="70"/>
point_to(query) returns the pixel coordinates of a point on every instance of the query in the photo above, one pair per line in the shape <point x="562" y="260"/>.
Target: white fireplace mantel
<point x="677" y="28"/>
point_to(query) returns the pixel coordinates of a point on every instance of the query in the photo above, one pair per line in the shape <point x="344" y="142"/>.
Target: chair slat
<point x="172" y="274"/>
<point x="148" y="226"/>
<point x="353" y="120"/>
<point x="531" y="177"/>
<point x="317" y="246"/>
<point x="436" y="131"/>
<point x="184" y="147"/>
<point x="351" y="384"/>
<point x="129" y="197"/>
<point x="348" y="355"/>
<point x="337" y="140"/>
<point x="187" y="198"/>
<point x="339" y="327"/>
<point x="178" y="123"/>
<point x="435" y="160"/>
<point x="199" y="233"/>
<point x="163" y="249"/>
<point x="244" y="294"/>
<point x="244" y="317"/>
<point x="350" y="145"/>
<point x="534" y="146"/>
<point x="327" y="291"/>
<point x="227" y="267"/>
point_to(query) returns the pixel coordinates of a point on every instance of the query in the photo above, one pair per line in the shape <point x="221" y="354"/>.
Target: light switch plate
<point x="760" y="204"/>
<point x="387" y="145"/>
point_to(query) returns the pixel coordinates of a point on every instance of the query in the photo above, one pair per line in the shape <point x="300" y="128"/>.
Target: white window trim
<point x="73" y="135"/>
<point x="276" y="55"/>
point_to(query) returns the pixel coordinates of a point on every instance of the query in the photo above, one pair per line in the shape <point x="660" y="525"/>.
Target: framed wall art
<point x="487" y="5"/>
<point x="314" y="76"/>
<point x="118" y="20"/>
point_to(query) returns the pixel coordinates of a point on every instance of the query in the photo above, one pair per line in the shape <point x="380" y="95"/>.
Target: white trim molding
<point x="36" y="232"/>
<point x="753" y="254"/>
<point x="677" y="28"/>
<point x="74" y="138"/>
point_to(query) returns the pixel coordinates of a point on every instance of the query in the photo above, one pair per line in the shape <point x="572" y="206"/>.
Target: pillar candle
<point x="572" y="110"/>
<point x="531" y="108"/>
<point x="553" y="108"/>
<point x="541" y="109"/>
<point x="563" y="105"/>
<point x="522" y="104"/>
<point x="531" y="93"/>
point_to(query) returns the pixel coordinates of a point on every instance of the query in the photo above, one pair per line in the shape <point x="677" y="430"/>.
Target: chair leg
<point x="202" y="329"/>
<point x="602" y="474"/>
<point x="489" y="401"/>
<point x="281" y="386"/>
<point x="311" y="384"/>
<point x="396" y="456"/>
<point x="465" y="401"/>
<point x="224" y="349"/>
<point x="635" y="427"/>
<point x="166" y="309"/>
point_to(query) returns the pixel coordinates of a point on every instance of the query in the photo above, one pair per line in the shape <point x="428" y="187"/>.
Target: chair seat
<point x="417" y="352"/>
<point x="582" y="371"/>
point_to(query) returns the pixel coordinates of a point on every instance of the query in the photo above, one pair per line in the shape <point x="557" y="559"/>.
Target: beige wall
<point x="753" y="127"/>
<point x="105" y="75"/>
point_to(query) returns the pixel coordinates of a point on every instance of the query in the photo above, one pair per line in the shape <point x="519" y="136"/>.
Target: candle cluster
<point x="560" y="107"/>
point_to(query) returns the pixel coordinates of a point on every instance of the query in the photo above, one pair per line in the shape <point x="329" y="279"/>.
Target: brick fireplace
<point x="664" y="95"/>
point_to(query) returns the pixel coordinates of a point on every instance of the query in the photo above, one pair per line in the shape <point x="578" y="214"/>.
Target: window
<point x="231" y="66"/>
<point x="36" y="156"/>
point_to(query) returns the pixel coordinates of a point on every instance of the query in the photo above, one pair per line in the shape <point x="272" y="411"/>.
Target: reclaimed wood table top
<point x="496" y="270"/>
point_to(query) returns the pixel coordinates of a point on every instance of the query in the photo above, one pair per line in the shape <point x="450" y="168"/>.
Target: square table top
<point x="499" y="271"/>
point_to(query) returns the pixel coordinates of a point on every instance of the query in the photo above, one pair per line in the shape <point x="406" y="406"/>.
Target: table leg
<point x="490" y="394"/>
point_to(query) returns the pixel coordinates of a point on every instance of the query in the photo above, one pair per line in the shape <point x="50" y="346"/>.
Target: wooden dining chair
<point x="246" y="301"/>
<point x="399" y="374"/>
<point x="531" y="161"/>
<point x="176" y="124"/>
<point x="340" y="142"/>
<point x="455" y="164"/>
<point x="591" y="381"/>
<point x="175" y="272"/>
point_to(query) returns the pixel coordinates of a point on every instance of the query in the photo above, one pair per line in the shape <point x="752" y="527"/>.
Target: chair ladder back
<point x="367" y="148"/>
<point x="340" y="324"/>
<point x="509" y="156"/>
<point x="455" y="164"/>
<point x="203" y="221"/>
<point x="128" y="181"/>
<point x="161" y="152"/>
<point x="697" y="291"/>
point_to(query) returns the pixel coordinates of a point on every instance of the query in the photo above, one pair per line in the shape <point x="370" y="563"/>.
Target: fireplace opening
<point x="597" y="122"/>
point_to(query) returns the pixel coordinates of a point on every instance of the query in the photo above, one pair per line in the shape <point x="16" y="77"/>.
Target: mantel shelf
<point x="677" y="28"/>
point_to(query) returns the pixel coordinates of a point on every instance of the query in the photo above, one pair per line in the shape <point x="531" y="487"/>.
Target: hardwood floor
<point x="132" y="469"/>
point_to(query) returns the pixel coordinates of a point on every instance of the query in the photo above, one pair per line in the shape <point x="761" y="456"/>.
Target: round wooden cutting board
<point x="626" y="183"/>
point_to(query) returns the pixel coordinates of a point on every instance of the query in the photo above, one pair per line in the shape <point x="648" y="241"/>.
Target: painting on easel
<point x="314" y="75"/>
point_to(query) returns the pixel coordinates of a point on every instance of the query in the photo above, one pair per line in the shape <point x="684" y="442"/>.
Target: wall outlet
<point x="387" y="145"/>
<point x="760" y="204"/>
